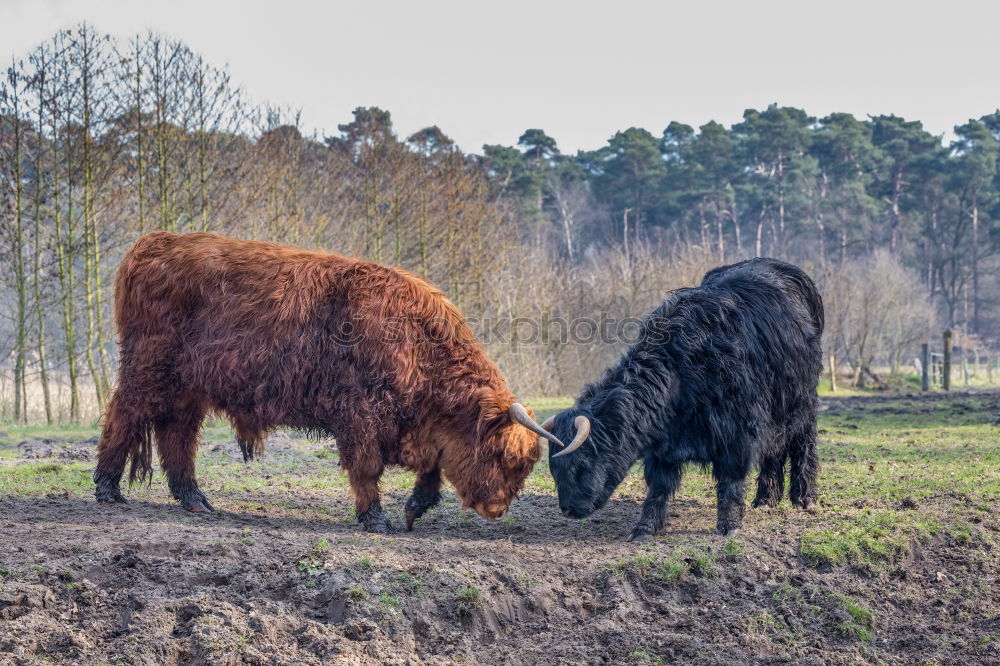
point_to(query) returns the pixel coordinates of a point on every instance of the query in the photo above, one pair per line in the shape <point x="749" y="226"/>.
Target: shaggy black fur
<point x="725" y="375"/>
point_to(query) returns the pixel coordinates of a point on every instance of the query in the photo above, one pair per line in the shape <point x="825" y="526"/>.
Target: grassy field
<point x="898" y="563"/>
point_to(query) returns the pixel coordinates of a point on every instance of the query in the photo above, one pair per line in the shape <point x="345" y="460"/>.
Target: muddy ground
<point x="898" y="564"/>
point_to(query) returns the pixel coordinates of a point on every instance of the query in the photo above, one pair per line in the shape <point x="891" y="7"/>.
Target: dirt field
<point x="899" y="563"/>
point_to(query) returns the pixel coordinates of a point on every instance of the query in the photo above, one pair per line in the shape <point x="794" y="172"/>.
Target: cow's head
<point x="489" y="463"/>
<point x="585" y="477"/>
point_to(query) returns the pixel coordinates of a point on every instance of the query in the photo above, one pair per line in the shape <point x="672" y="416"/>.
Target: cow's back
<point x="293" y="337"/>
<point x="229" y="316"/>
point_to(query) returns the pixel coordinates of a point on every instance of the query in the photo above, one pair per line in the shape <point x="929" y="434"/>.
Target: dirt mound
<point x="148" y="584"/>
<point x="55" y="447"/>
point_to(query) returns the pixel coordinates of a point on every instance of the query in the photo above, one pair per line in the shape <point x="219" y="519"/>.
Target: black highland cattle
<point x="724" y="374"/>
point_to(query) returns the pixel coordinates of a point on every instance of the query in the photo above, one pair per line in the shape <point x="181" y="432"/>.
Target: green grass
<point x="313" y="561"/>
<point x="901" y="383"/>
<point x="960" y="533"/>
<point x="469" y="599"/>
<point x="212" y="430"/>
<point x="546" y="407"/>
<point x="891" y="479"/>
<point x="671" y="568"/>
<point x="860" y="624"/>
<point x="733" y="548"/>
<point x="17" y="432"/>
<point x="642" y="655"/>
<point x="387" y="599"/>
<point x="868" y="538"/>
<point x="37" y="479"/>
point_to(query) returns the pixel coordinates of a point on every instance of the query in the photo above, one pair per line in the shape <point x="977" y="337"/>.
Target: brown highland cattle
<point x="276" y="336"/>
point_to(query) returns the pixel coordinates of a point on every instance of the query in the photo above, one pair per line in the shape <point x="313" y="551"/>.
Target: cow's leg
<point x="126" y="432"/>
<point x="805" y="466"/>
<point x="364" y="474"/>
<point x="142" y="392"/>
<point x="730" y="474"/>
<point x="770" y="481"/>
<point x="426" y="493"/>
<point x="177" y="443"/>
<point x="662" y="481"/>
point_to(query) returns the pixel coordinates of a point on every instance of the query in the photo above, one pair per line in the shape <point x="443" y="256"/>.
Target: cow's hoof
<point x="378" y="525"/>
<point x="113" y="497"/>
<point x="418" y="504"/>
<point x="639" y="535"/>
<point x="193" y="500"/>
<point x="375" y="520"/>
<point x="107" y="489"/>
<point x="727" y="532"/>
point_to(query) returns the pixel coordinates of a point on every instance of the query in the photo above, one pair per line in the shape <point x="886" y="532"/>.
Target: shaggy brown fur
<point x="276" y="336"/>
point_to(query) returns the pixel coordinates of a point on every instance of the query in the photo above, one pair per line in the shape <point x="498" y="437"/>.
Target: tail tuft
<point x="141" y="454"/>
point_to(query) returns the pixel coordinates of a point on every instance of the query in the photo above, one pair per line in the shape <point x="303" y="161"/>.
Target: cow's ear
<point x="489" y="403"/>
<point x="492" y="411"/>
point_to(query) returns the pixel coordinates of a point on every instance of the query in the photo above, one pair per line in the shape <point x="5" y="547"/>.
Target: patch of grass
<point x="960" y="533"/>
<point x="761" y="624"/>
<point x="669" y="569"/>
<point x="325" y="453"/>
<point x="366" y="563"/>
<point x="784" y="593"/>
<point x="733" y="548"/>
<point x="356" y="592"/>
<point x="870" y="538"/>
<point x="313" y="561"/>
<point x="672" y="570"/>
<point x="37" y="479"/>
<point x="469" y="599"/>
<point x="387" y="599"/>
<point x="643" y="561"/>
<point x="408" y="584"/>
<point x="642" y="655"/>
<point x="546" y="407"/>
<point x="700" y="562"/>
<point x="17" y="432"/>
<point x="861" y="622"/>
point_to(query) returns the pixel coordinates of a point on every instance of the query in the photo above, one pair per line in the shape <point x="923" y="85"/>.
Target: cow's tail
<point x="126" y="438"/>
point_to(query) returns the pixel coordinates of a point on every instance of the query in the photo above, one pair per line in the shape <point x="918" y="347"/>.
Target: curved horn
<point x="519" y="414"/>
<point x="582" y="424"/>
<point x="549" y="422"/>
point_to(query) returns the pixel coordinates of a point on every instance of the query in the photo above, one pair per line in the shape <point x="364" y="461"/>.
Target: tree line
<point x="785" y="184"/>
<point x="103" y="140"/>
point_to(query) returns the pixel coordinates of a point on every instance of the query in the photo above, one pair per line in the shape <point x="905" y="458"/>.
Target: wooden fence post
<point x="925" y="362"/>
<point x="946" y="370"/>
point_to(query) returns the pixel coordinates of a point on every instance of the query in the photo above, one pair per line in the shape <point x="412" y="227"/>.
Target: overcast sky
<point x="486" y="71"/>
